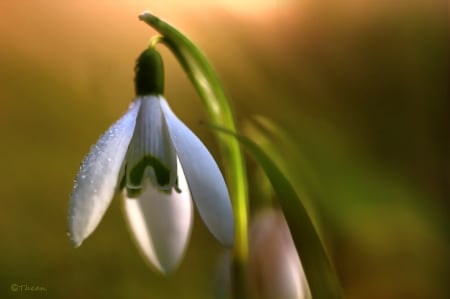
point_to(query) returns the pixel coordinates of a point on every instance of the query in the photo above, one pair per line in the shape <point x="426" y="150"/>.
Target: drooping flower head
<point x="158" y="164"/>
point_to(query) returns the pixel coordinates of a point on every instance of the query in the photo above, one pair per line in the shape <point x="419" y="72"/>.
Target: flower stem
<point x="207" y="84"/>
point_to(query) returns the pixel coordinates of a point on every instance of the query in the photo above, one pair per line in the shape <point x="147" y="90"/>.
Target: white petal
<point x="161" y="223"/>
<point x="205" y="180"/>
<point x="151" y="153"/>
<point x="275" y="270"/>
<point x="97" y="178"/>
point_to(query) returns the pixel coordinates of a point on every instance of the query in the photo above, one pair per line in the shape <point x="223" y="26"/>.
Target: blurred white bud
<point x="275" y="270"/>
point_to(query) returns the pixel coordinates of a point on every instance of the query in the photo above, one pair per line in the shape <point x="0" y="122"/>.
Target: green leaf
<point x="318" y="269"/>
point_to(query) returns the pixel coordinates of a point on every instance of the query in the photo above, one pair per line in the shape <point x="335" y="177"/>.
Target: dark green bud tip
<point x="149" y="72"/>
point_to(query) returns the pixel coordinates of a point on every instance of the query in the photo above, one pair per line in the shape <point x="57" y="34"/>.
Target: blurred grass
<point x="359" y="87"/>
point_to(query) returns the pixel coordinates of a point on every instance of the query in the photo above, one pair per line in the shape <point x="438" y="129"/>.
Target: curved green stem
<point x="207" y="84"/>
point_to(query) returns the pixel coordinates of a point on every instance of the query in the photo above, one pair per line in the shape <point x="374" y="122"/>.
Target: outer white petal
<point x="205" y="180"/>
<point x="161" y="223"/>
<point x="97" y="178"/>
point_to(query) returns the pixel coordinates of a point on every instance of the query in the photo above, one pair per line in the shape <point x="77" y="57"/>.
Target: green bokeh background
<point x="359" y="90"/>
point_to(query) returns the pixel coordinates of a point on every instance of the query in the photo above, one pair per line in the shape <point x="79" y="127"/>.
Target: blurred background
<point x="350" y="96"/>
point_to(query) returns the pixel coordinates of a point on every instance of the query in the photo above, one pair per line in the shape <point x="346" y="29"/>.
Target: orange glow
<point x="237" y="6"/>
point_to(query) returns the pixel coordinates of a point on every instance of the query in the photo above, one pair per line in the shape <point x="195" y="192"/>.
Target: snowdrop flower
<point x="158" y="164"/>
<point x="275" y="270"/>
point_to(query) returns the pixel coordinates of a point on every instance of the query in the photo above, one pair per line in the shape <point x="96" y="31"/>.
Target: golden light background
<point x="360" y="88"/>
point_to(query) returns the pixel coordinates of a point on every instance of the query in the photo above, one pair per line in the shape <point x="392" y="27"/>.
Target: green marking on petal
<point x="134" y="193"/>
<point x="162" y="173"/>
<point x="176" y="187"/>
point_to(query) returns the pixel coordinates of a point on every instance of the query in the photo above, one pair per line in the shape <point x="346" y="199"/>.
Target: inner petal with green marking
<point x="151" y="155"/>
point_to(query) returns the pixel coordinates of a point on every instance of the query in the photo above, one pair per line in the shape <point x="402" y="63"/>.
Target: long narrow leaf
<point x="318" y="269"/>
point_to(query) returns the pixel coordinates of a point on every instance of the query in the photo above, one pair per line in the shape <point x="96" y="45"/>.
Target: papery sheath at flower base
<point x="159" y="165"/>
